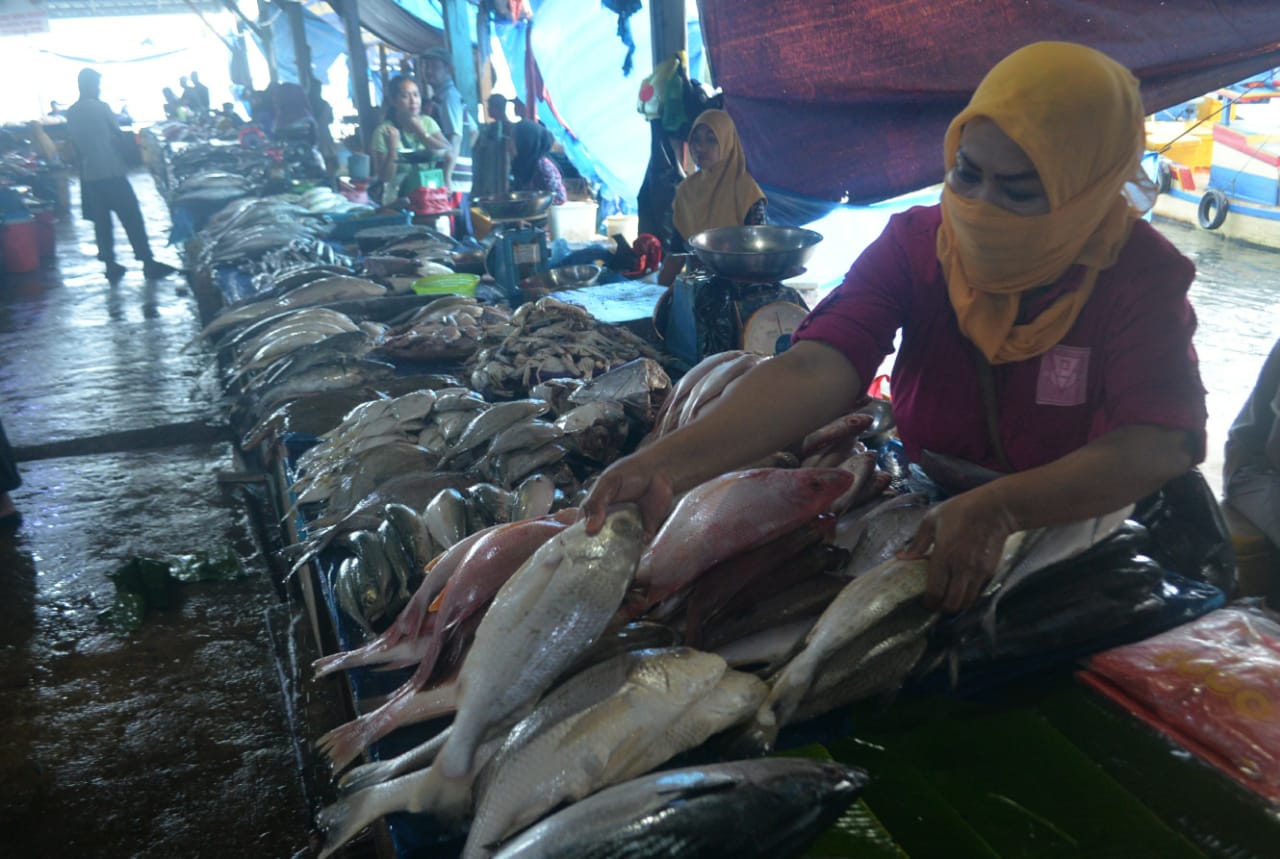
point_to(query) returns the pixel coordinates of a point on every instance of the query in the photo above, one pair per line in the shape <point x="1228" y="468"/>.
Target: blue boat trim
<point x="1237" y="206"/>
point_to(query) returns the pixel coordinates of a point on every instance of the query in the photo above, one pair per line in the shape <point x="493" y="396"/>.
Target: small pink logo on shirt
<point x="1064" y="374"/>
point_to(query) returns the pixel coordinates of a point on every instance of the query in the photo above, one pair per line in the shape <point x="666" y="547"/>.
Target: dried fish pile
<point x="550" y="339"/>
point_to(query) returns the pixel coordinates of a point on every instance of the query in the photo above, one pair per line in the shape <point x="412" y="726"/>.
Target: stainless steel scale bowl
<point x="759" y="254"/>
<point x="516" y="206"/>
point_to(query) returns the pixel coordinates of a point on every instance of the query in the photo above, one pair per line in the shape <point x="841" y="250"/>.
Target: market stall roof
<point x="121" y="8"/>
<point x="853" y="98"/>
<point x="397" y="26"/>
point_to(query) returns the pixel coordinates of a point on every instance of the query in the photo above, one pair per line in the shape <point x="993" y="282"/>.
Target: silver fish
<point x="446" y="517"/>
<point x="546" y="615"/>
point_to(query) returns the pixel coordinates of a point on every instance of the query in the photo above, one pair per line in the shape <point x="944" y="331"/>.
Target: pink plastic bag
<point x="1212" y="685"/>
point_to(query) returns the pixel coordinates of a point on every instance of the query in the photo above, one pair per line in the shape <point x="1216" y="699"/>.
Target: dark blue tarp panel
<point x="853" y="98"/>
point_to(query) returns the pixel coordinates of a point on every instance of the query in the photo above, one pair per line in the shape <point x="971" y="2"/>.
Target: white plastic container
<point x="358" y="166"/>
<point x="628" y="226"/>
<point x="574" y="221"/>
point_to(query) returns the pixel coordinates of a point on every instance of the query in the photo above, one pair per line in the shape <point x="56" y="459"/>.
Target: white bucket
<point x="574" y="221"/>
<point x="628" y="226"/>
<point x="358" y="166"/>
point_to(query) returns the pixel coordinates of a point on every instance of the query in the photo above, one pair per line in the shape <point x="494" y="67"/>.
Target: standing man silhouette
<point x="97" y="140"/>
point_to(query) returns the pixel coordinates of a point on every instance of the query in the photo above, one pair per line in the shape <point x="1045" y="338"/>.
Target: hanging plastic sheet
<point x="326" y="42"/>
<point x="580" y="58"/>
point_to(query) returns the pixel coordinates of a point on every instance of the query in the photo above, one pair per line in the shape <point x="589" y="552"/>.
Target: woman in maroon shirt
<point x="1035" y="271"/>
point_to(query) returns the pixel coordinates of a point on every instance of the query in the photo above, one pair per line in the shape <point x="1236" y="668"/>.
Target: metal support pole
<point x="349" y="11"/>
<point x="458" y="36"/>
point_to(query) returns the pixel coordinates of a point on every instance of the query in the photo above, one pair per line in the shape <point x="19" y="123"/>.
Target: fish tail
<point x="344" y="819"/>
<point x="344" y="743"/>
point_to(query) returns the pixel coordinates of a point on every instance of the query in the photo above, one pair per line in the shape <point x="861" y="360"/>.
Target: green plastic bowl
<point x="447" y="284"/>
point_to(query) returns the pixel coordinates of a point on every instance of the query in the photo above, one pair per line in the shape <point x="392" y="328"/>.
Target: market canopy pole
<point x="349" y="12"/>
<point x="301" y="50"/>
<point x="667" y="24"/>
<point x="458" y="37"/>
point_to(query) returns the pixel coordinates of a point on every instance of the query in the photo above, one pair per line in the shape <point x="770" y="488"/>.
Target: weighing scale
<point x="519" y="251"/>
<point x="710" y="313"/>
<point x="519" y="236"/>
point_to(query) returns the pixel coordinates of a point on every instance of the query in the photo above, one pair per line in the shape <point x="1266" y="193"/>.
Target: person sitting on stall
<point x="531" y="166"/>
<point x="720" y="194"/>
<point x="1251" y="471"/>
<point x="404" y="137"/>
<point x="1046" y="331"/>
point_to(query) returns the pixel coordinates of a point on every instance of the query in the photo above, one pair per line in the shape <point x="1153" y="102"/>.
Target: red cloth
<point x="1127" y="360"/>
<point x="1212" y="685"/>
<point x="835" y="98"/>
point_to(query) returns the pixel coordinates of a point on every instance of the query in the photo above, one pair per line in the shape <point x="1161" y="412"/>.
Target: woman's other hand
<point x="967" y="534"/>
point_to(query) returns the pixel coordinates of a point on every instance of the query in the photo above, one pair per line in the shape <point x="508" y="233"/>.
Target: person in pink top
<point x="1046" y="331"/>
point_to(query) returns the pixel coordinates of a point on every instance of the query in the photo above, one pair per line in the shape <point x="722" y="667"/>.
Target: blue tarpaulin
<point x="327" y="43"/>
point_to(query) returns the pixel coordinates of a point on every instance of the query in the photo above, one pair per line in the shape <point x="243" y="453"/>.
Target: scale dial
<point x="769" y="324"/>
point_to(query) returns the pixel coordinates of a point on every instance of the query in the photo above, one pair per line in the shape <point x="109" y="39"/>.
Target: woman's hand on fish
<point x="967" y="534"/>
<point x="630" y="479"/>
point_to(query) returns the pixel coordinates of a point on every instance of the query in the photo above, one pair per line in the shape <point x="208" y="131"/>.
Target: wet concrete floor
<point x="175" y="740"/>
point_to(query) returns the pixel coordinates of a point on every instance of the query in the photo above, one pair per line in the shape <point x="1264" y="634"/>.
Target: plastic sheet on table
<point x="1213" y="686"/>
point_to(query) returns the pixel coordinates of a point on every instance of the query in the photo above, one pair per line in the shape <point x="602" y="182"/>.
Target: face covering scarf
<point x="1077" y="114"/>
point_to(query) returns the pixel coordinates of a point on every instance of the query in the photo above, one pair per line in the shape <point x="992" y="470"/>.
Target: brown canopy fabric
<point x="836" y="99"/>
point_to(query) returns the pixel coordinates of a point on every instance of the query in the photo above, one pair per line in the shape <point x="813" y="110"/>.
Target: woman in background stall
<point x="406" y="141"/>
<point x="720" y="194"/>
<point x="531" y="166"/>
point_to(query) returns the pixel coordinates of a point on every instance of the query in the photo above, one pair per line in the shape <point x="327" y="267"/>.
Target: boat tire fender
<point x="1213" y="209"/>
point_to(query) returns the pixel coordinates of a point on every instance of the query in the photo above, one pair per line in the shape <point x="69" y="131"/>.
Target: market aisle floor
<point x="172" y="741"/>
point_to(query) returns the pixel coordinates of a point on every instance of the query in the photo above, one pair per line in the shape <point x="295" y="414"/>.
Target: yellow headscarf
<point x="722" y="194"/>
<point x="1078" y="116"/>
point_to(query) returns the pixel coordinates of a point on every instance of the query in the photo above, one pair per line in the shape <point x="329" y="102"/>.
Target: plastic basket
<point x="447" y="284"/>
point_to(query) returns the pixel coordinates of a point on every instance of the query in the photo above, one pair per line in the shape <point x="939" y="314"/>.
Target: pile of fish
<point x="246" y="229"/>
<point x="550" y="339"/>
<point x="448" y="329"/>
<point x="769" y="596"/>
<point x="572" y="666"/>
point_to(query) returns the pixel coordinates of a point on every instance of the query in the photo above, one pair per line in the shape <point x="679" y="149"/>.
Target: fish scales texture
<point x="731" y="514"/>
<point x="554" y="607"/>
<point x="859" y="606"/>
<point x="768" y="808"/>
<point x="585" y="689"/>
<point x="876" y="662"/>
<point x="596" y="747"/>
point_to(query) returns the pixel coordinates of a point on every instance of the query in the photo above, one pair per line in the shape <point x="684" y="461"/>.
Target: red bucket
<point x="20" y="246"/>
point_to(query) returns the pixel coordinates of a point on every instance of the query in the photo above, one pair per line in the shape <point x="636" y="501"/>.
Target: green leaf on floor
<point x="147" y="584"/>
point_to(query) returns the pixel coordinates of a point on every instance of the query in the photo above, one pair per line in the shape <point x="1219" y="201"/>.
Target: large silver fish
<point x="555" y="607"/>
<point x="672" y="702"/>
